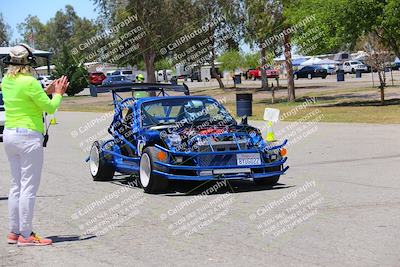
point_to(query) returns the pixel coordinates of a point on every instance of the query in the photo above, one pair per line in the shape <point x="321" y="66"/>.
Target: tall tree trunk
<point x="273" y="94"/>
<point x="264" y="78"/>
<point x="289" y="68"/>
<point x="149" y="57"/>
<point x="214" y="71"/>
<point x="382" y="85"/>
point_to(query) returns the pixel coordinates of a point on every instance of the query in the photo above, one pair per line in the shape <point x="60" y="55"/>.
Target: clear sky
<point x="15" y="11"/>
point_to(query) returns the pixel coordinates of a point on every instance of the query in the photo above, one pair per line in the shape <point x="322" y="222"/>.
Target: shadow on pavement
<point x="69" y="238"/>
<point x="187" y="188"/>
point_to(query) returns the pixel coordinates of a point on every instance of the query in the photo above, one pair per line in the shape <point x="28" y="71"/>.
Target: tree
<point x="286" y="6"/>
<point x="229" y="15"/>
<point x="5" y="32"/>
<point x="163" y="64"/>
<point x="378" y="57"/>
<point x="159" y="19"/>
<point x="262" y="20"/>
<point x="251" y="60"/>
<point x="65" y="28"/>
<point x="231" y="60"/>
<point x="33" y="32"/>
<point x="67" y="65"/>
<point x="342" y="22"/>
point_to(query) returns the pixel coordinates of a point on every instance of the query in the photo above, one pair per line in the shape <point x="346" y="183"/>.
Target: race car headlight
<point x="162" y="156"/>
<point x="283" y="152"/>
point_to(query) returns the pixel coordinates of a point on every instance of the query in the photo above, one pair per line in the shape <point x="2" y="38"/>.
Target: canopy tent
<point x="295" y="56"/>
<point x="311" y="61"/>
<point x="328" y="61"/>
<point x="298" y="61"/>
<point x="5" y="51"/>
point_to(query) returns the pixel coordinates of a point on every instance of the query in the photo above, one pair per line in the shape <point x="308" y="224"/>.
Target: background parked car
<point x="44" y="80"/>
<point x="353" y="65"/>
<point x="127" y="73"/>
<point x="116" y="79"/>
<point x="330" y="70"/>
<point x="310" y="72"/>
<point x="256" y="73"/>
<point x="96" y="78"/>
<point x="2" y="116"/>
<point x="396" y="66"/>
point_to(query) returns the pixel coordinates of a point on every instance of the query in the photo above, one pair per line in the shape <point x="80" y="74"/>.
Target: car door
<point x="346" y="67"/>
<point x="304" y="71"/>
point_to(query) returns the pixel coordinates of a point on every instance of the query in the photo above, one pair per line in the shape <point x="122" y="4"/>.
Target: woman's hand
<point x="50" y="89"/>
<point x="61" y="85"/>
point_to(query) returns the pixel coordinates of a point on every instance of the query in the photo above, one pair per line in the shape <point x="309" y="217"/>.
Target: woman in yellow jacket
<point x="24" y="103"/>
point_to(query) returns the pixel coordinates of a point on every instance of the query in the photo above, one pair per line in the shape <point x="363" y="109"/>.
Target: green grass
<point x="347" y="105"/>
<point x="389" y="114"/>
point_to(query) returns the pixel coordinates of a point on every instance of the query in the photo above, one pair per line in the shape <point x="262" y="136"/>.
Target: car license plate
<point x="248" y="159"/>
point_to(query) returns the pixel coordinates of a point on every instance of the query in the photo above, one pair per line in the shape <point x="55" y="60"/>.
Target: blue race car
<point x="162" y="138"/>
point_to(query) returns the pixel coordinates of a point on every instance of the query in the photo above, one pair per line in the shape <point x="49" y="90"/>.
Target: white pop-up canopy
<point x="311" y="61"/>
<point x="328" y="61"/>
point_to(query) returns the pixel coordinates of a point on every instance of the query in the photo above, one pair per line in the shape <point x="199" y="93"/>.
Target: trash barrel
<point x="93" y="90"/>
<point x="174" y="80"/>
<point x="244" y="105"/>
<point x="237" y="79"/>
<point x="358" y="73"/>
<point x="340" y="75"/>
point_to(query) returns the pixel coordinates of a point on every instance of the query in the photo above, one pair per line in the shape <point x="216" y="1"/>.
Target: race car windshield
<point x="184" y="111"/>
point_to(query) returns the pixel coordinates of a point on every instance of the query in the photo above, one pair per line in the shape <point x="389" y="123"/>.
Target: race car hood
<point x="208" y="138"/>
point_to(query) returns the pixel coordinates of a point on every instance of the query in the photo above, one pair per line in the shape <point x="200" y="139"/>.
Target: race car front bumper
<point x="224" y="170"/>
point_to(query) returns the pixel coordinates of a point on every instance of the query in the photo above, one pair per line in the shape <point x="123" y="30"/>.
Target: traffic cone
<point x="53" y="121"/>
<point x="270" y="132"/>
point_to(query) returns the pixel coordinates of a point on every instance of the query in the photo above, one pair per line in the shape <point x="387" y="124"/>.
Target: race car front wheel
<point x="100" y="169"/>
<point x="270" y="181"/>
<point x="150" y="181"/>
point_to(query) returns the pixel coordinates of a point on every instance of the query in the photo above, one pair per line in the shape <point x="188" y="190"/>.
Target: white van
<point x="163" y="75"/>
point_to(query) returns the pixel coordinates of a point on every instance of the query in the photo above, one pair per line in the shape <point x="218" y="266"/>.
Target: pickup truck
<point x="256" y="73"/>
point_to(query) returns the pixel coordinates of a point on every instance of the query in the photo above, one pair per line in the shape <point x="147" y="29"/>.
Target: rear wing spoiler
<point x="143" y="87"/>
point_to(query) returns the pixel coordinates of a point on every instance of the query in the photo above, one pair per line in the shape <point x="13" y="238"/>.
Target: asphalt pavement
<point x="338" y="205"/>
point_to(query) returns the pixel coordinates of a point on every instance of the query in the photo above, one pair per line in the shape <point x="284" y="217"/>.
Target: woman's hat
<point x="21" y="54"/>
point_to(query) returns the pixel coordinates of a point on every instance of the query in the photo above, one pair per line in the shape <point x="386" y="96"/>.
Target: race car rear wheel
<point x="150" y="181"/>
<point x="100" y="169"/>
<point x="269" y="181"/>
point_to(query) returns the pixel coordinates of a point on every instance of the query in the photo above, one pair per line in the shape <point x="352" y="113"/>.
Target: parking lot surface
<point x="338" y="205"/>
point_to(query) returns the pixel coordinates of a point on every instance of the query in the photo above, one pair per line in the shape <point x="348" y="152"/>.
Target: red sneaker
<point x="33" y="240"/>
<point x="12" y="238"/>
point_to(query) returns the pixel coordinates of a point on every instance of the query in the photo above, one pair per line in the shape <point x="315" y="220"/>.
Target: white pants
<point x="25" y="153"/>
